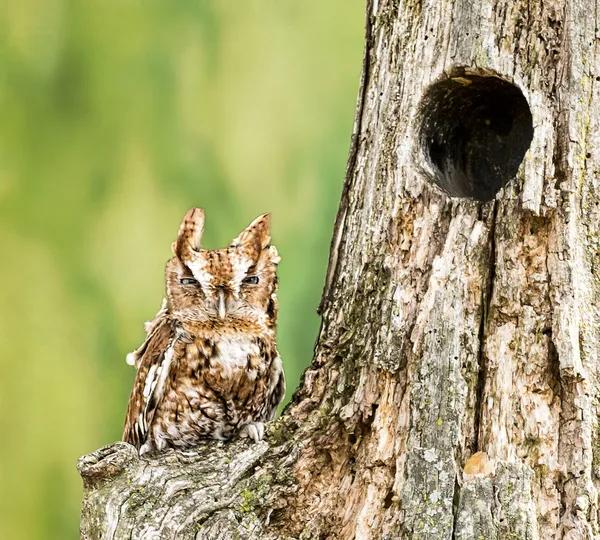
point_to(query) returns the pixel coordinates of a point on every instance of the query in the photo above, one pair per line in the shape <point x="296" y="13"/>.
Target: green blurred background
<point x="116" y="117"/>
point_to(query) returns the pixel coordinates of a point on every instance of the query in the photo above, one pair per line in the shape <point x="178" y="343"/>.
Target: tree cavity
<point x="473" y="133"/>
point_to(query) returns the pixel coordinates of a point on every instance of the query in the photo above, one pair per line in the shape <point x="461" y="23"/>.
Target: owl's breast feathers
<point x="196" y="382"/>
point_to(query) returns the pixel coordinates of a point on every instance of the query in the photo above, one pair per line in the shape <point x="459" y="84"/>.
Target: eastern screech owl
<point x="209" y="367"/>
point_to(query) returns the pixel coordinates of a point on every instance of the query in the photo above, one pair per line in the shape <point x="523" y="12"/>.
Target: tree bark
<point x="454" y="388"/>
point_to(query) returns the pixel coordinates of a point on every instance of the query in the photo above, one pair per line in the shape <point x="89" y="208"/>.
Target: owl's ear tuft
<point x="256" y="235"/>
<point x="190" y="233"/>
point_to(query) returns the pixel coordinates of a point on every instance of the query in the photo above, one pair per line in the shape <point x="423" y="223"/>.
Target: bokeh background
<point x="116" y="116"/>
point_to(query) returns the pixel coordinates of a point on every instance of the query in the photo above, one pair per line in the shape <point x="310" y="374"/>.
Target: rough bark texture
<point x="450" y="326"/>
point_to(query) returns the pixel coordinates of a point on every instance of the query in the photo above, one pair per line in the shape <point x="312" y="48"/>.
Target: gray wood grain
<point x="450" y="326"/>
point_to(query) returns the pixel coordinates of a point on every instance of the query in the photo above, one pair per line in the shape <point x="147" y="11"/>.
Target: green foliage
<point x="117" y="116"/>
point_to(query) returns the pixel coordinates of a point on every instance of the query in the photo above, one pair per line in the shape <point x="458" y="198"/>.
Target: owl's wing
<point x="150" y="382"/>
<point x="276" y="387"/>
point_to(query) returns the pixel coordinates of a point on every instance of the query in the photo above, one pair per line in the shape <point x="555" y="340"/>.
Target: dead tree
<point x="454" y="387"/>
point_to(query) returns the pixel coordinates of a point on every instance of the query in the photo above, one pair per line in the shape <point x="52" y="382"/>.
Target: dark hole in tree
<point x="474" y="133"/>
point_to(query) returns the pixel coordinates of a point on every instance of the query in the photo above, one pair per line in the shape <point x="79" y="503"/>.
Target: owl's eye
<point x="188" y="281"/>
<point x="250" y="280"/>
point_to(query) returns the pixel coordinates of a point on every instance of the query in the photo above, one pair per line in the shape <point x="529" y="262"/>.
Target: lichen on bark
<point x="450" y="326"/>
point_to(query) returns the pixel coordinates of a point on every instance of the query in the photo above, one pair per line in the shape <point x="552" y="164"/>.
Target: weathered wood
<point x="450" y="326"/>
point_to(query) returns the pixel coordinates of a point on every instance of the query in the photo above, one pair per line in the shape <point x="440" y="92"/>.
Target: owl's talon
<point x="146" y="448"/>
<point x="253" y="430"/>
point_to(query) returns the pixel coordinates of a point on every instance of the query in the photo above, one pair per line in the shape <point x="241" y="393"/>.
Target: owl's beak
<point x="222" y="307"/>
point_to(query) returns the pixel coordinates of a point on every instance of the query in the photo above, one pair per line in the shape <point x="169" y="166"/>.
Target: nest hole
<point x="474" y="133"/>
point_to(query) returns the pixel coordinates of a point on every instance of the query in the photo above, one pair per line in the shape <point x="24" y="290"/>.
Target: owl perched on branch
<point x="209" y="367"/>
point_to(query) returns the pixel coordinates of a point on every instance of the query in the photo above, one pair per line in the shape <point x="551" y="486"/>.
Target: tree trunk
<point x="454" y="387"/>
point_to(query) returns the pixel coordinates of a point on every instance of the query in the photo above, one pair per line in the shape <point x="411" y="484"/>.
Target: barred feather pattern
<point x="209" y="367"/>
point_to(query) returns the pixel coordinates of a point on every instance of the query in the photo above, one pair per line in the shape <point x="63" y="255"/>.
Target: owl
<point x="209" y="367"/>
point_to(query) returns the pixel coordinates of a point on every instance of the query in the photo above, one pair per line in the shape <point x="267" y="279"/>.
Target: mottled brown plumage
<point x="209" y="367"/>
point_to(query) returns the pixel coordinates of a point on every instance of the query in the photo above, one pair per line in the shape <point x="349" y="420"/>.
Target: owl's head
<point x="223" y="286"/>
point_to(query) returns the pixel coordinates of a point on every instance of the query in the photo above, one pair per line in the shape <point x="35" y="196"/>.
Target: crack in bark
<point x="455" y="506"/>
<point x="320" y="477"/>
<point x="486" y="302"/>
